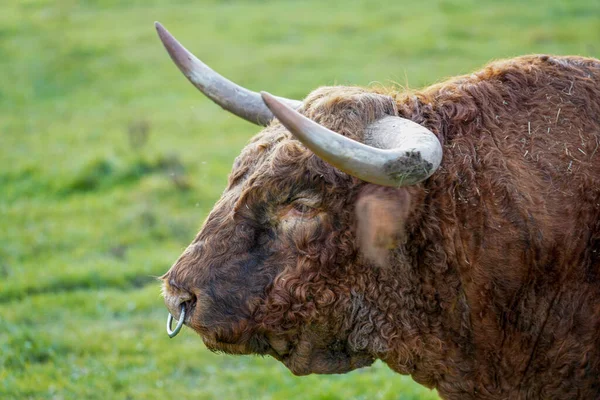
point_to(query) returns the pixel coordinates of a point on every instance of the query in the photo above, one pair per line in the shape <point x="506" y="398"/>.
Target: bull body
<point x="482" y="281"/>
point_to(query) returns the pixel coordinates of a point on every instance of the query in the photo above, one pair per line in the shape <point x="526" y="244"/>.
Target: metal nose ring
<point x="173" y="333"/>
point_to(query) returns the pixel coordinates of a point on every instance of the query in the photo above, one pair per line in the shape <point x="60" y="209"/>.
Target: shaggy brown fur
<point x="483" y="281"/>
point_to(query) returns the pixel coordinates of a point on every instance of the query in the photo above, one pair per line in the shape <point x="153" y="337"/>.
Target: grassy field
<point x="110" y="160"/>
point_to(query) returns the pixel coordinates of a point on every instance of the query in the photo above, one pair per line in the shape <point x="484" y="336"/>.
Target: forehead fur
<point x="274" y="153"/>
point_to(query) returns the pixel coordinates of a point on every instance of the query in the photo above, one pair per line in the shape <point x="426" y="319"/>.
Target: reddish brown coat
<point x="483" y="281"/>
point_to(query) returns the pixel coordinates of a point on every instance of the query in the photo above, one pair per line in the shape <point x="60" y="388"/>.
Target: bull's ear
<point x="381" y="213"/>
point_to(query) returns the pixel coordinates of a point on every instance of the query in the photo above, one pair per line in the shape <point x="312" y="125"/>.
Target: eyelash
<point x="302" y="208"/>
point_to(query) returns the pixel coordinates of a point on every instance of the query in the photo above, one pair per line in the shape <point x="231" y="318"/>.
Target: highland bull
<point x="451" y="232"/>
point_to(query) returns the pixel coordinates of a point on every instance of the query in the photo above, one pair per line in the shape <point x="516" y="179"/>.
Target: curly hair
<point x="483" y="281"/>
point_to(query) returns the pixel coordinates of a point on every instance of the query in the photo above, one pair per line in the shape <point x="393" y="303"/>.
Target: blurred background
<point x="110" y="160"/>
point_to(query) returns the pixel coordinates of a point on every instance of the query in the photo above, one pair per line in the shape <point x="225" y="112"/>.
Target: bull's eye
<point x="299" y="209"/>
<point x="302" y="208"/>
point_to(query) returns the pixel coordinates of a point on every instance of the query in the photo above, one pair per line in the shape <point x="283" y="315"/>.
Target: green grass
<point x="110" y="160"/>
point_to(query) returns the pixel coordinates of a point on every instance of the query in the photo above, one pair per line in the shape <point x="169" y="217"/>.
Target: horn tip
<point x="178" y="53"/>
<point x="269" y="99"/>
<point x="165" y="37"/>
<point x="163" y="33"/>
<point x="265" y="95"/>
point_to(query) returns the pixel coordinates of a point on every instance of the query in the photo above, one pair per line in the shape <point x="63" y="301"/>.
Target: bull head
<point x="285" y="262"/>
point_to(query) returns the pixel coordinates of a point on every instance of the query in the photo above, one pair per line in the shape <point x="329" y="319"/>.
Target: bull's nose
<point x="174" y="298"/>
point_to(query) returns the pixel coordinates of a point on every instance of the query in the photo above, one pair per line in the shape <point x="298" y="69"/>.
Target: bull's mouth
<point x="232" y="340"/>
<point x="255" y="345"/>
<point x="231" y="348"/>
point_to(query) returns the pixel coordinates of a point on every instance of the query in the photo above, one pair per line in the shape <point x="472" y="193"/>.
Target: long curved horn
<point x="240" y="101"/>
<point x="399" y="152"/>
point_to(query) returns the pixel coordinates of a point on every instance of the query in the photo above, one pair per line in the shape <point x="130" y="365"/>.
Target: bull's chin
<point x="298" y="360"/>
<point x="324" y="361"/>
<point x="327" y="363"/>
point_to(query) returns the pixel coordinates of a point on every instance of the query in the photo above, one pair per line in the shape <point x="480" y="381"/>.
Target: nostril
<point x="188" y="300"/>
<point x="189" y="304"/>
<point x="175" y="297"/>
